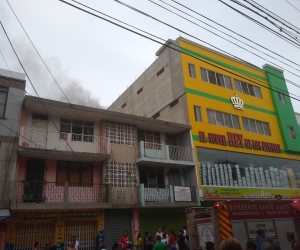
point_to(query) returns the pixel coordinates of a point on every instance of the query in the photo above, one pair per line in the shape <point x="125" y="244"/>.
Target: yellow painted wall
<point x="204" y="102"/>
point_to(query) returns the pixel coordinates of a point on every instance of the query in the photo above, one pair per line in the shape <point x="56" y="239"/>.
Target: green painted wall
<point x="284" y="112"/>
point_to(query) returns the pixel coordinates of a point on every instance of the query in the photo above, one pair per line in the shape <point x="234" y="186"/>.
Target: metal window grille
<point x="120" y="133"/>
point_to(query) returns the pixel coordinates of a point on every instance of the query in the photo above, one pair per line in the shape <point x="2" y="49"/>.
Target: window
<point x="152" y="177"/>
<point x="77" y="174"/>
<point x="172" y="104"/>
<point x="197" y="113"/>
<point x="292" y="132"/>
<point x="124" y="105"/>
<point x="3" y="100"/>
<point x="223" y="119"/>
<point x="215" y="78"/>
<point x="39" y="116"/>
<point x="160" y="71"/>
<point x="151" y="139"/>
<point x="80" y="130"/>
<point x="247" y="88"/>
<point x="281" y="98"/>
<point x="192" y="71"/>
<point x="139" y="91"/>
<point x="255" y="126"/>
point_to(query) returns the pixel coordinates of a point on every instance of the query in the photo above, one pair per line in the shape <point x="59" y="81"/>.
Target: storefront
<point x="25" y="228"/>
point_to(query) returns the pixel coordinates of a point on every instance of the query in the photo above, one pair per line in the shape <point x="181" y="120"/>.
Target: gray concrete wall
<point x="158" y="91"/>
<point x="9" y="129"/>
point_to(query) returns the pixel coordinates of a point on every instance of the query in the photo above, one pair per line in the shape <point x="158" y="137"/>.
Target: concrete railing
<point x="61" y="193"/>
<point x="44" y="139"/>
<point x="165" y="152"/>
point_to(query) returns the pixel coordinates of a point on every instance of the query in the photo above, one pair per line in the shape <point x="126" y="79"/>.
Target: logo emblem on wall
<point x="207" y="234"/>
<point x="237" y="102"/>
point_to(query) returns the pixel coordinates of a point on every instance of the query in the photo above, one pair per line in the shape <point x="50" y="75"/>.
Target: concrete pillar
<point x="142" y="194"/>
<point x="171" y="193"/>
<point x="108" y="145"/>
<point x="198" y="197"/>
<point x="167" y="151"/>
<point x="69" y="139"/>
<point x="142" y="149"/>
<point x="21" y="138"/>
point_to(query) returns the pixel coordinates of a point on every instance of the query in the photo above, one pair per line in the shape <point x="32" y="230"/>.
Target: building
<point x="298" y="119"/>
<point x="245" y="134"/>
<point x="12" y="86"/>
<point x="83" y="170"/>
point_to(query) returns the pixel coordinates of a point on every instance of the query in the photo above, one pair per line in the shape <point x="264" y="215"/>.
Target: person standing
<point x="124" y="240"/>
<point x="251" y="245"/>
<point x="187" y="242"/>
<point x="139" y="241"/>
<point x="230" y="244"/>
<point x="181" y="241"/>
<point x="291" y="238"/>
<point x="76" y="241"/>
<point x="159" y="245"/>
<point x="158" y="233"/>
<point x="166" y="236"/>
<point x="36" y="245"/>
<point x="184" y="230"/>
<point x="72" y="245"/>
<point x="172" y="240"/>
<point x="149" y="245"/>
<point x="146" y="239"/>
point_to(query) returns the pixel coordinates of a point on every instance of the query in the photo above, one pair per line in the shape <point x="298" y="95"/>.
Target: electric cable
<point x="292" y="5"/>
<point x="231" y="41"/>
<point x="263" y="26"/>
<point x="234" y="32"/>
<point x="167" y="45"/>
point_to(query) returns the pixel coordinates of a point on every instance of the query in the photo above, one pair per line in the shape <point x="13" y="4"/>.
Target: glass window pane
<point x="246" y="124"/>
<point x="257" y="92"/>
<point x="228" y="121"/>
<point x="259" y="126"/>
<point x="76" y="129"/>
<point x="204" y="75"/>
<point x="220" y="80"/>
<point x="197" y="113"/>
<point x="211" y="117"/>
<point x="212" y="77"/>
<point x="252" y="126"/>
<point x="227" y="82"/>
<point x="251" y="90"/>
<point x="237" y="85"/>
<point x="65" y="128"/>
<point x="266" y="128"/>
<point x="192" y="70"/>
<point x="235" y="121"/>
<point x="2" y="110"/>
<point x="88" y="131"/>
<point x="282" y="98"/>
<point x="245" y="88"/>
<point x="219" y="118"/>
<point x="3" y="97"/>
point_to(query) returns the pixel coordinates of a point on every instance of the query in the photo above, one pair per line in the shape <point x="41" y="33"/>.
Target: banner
<point x="258" y="210"/>
<point x="266" y="225"/>
<point x="182" y="193"/>
<point x="210" y="192"/>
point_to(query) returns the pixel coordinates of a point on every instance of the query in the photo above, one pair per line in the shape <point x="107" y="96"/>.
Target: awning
<point x="296" y="205"/>
<point x="4" y="214"/>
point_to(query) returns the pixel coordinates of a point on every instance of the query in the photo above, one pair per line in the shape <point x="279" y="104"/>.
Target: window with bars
<point x="255" y="126"/>
<point x="80" y="130"/>
<point x="197" y="113"/>
<point x="3" y="100"/>
<point x="281" y="98"/>
<point x="152" y="177"/>
<point x="192" y="71"/>
<point x="215" y="78"/>
<point x="223" y="119"/>
<point x="76" y="173"/>
<point x="247" y="88"/>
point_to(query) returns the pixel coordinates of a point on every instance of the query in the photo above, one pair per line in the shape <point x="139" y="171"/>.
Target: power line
<point x="292" y="5"/>
<point x="37" y="93"/>
<point x="230" y="41"/>
<point x="264" y="26"/>
<point x="145" y="14"/>
<point x="173" y="44"/>
<point x="171" y="47"/>
<point x="273" y="14"/>
<point x="234" y="32"/>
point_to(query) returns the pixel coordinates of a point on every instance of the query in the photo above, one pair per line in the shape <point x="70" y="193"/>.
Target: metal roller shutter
<point x="114" y="227"/>
<point x="151" y="221"/>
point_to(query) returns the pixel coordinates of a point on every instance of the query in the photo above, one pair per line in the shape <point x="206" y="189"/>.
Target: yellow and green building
<point x="243" y="126"/>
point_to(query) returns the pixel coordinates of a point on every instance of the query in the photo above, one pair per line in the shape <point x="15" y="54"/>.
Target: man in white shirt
<point x="184" y="230"/>
<point x="76" y="241"/>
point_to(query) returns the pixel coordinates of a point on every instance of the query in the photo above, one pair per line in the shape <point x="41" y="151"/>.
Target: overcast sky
<point x="99" y="60"/>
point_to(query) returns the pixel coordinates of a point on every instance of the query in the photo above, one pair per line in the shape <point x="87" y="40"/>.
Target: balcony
<point x="162" y="154"/>
<point x="63" y="146"/>
<point x="168" y="195"/>
<point x="60" y="195"/>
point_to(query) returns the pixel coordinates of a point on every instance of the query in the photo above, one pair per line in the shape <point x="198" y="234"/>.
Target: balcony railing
<point x="168" y="193"/>
<point x="165" y="152"/>
<point x="59" y="193"/>
<point x="44" y="139"/>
